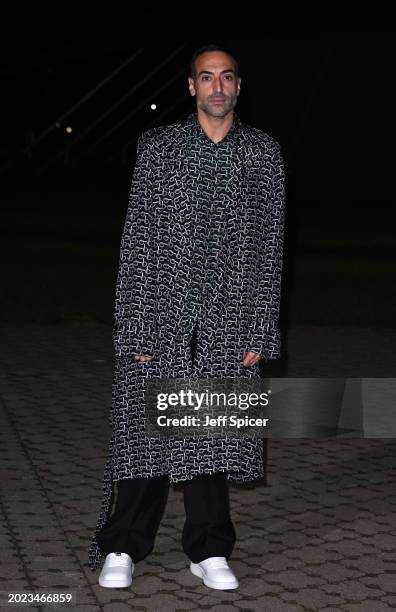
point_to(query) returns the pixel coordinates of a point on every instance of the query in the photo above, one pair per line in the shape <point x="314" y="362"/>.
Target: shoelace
<point x="119" y="559"/>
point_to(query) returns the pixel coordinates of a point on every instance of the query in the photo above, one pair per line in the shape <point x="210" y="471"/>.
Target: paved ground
<point x="320" y="536"/>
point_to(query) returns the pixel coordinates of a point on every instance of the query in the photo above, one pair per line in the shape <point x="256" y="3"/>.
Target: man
<point x="201" y="255"/>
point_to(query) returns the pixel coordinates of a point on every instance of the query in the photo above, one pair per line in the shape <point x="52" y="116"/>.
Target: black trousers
<point x="208" y="529"/>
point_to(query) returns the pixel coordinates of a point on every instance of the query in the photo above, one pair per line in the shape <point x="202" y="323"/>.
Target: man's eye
<point x="228" y="76"/>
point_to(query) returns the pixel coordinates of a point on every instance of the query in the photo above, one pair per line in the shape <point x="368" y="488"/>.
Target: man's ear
<point x="191" y="86"/>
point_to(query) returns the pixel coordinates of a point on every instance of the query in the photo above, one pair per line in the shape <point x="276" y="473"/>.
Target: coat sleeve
<point x="135" y="300"/>
<point x="265" y="334"/>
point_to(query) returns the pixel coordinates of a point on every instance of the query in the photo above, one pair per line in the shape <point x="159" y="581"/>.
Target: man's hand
<point x="250" y="358"/>
<point x="143" y="357"/>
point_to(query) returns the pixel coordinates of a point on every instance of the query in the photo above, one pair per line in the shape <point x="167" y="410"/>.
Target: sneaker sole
<point x="221" y="586"/>
<point x="115" y="584"/>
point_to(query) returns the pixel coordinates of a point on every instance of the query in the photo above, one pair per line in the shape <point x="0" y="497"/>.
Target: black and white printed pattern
<point x="201" y="249"/>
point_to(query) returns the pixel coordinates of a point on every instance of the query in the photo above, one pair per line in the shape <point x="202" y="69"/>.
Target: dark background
<point x="327" y="97"/>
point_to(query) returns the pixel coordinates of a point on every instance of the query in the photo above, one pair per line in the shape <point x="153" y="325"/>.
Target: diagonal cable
<point x="53" y="125"/>
<point x="114" y="106"/>
<point x="132" y="113"/>
<point x="83" y="99"/>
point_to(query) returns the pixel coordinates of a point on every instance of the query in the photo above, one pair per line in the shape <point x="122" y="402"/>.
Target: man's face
<point x="216" y="87"/>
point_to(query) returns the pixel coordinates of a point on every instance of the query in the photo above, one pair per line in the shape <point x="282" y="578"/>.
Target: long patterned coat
<point x="201" y="250"/>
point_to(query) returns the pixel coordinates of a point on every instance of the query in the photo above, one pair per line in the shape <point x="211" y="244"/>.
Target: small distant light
<point x="57" y="124"/>
<point x="69" y="129"/>
<point x="153" y="107"/>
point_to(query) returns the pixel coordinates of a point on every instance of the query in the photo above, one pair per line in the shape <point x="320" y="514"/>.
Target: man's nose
<point x="217" y="85"/>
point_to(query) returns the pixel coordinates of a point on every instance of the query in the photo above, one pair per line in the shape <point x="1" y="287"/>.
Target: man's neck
<point x="215" y="128"/>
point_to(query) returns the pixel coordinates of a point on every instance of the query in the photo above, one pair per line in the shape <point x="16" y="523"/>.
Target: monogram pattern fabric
<point x="201" y="252"/>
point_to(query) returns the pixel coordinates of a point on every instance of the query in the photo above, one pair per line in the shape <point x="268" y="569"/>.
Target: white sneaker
<point x="215" y="573"/>
<point x="117" y="571"/>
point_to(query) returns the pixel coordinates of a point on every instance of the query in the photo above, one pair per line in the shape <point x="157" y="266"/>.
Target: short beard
<point x="210" y="110"/>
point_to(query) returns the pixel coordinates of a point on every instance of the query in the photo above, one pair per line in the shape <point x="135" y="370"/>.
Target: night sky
<point x="327" y="97"/>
